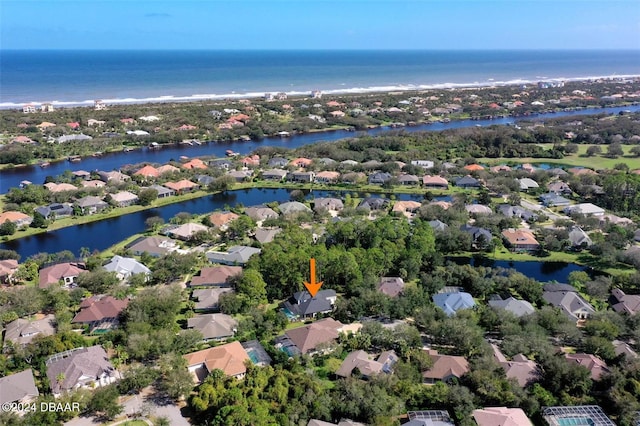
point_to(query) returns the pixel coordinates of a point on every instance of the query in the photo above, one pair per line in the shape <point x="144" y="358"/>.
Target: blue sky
<point x="320" y="24"/>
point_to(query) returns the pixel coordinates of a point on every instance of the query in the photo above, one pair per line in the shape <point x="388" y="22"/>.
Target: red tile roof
<point x="99" y="308"/>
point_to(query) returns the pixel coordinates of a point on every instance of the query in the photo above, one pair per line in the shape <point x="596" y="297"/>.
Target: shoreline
<point x="306" y="94"/>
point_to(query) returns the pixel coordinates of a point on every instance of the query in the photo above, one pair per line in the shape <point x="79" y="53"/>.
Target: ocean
<point x="80" y="77"/>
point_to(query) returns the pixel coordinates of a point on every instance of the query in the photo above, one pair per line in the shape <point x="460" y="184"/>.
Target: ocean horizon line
<point x="400" y="49"/>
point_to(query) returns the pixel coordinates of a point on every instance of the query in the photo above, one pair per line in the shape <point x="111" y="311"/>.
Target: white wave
<point x="330" y="91"/>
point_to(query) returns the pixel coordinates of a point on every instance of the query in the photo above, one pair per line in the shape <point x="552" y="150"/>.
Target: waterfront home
<point x="167" y="168"/>
<point x="22" y="331"/>
<point x="207" y="299"/>
<point x="624" y="303"/>
<point x="317" y="337"/>
<point x="240" y="175"/>
<point x="18" y="218"/>
<point x="19" y="388"/>
<point x="124" y="198"/>
<point x="435" y="182"/>
<point x="520" y="240"/>
<point x="236" y="255"/>
<point x="579" y="238"/>
<point x="60" y="187"/>
<point x="425" y="164"/>
<point x="113" y="176"/>
<point x="328" y="204"/>
<point x="260" y="213"/>
<point x="479" y="236"/>
<point x="67" y="272"/>
<point x="278" y="162"/>
<point x="468" y="182"/>
<point x="230" y="358"/>
<point x="552" y="199"/>
<point x="445" y="367"/>
<point x="99" y="105"/>
<point x="301" y="162"/>
<point x="302" y="177"/>
<point x="501" y="168"/>
<point x="595" y="365"/>
<point x="55" y="210"/>
<point x="252" y="161"/>
<point x="275" y="175"/>
<point x="327" y="177"/>
<point x="147" y="171"/>
<point x="100" y="312"/>
<point x="452" y="302"/>
<point x="80" y="368"/>
<point x="566" y="298"/>
<point x="163" y="191"/>
<point x="406" y="208"/>
<point x="366" y="364"/>
<point x="517" y="307"/>
<point x="185" y="231"/>
<point x="473" y="167"/>
<point x="374" y="203"/>
<point x="182" y="186"/>
<point x="221" y="220"/>
<point x="29" y="109"/>
<point x="90" y="205"/>
<point x="219" y="276"/>
<point x="8" y="267"/>
<point x="502" y="416"/>
<point x="520" y="368"/>
<point x="584" y="209"/>
<point x="302" y="305"/>
<point x="94" y="183"/>
<point x="221" y="163"/>
<point x="125" y="267"/>
<point x="293" y="207"/>
<point x="154" y="246"/>
<point x="379" y="178"/>
<point x="213" y="326"/>
<point x="391" y="286"/>
<point x="408" y="179"/>
<point x="204" y="180"/>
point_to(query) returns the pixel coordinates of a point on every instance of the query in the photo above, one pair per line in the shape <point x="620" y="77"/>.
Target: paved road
<point x="540" y="208"/>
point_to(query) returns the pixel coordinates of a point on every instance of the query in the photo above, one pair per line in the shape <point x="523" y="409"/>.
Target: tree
<point x="98" y="281"/>
<point x="635" y="151"/>
<point x="175" y="380"/>
<point x="571" y="148"/>
<point x="222" y="184"/>
<point x="154" y="223"/>
<point x="39" y="221"/>
<point x="8" y="228"/>
<point x="594" y="150"/>
<point x="614" y="150"/>
<point x="252" y="285"/>
<point x="105" y="402"/>
<point x="147" y="196"/>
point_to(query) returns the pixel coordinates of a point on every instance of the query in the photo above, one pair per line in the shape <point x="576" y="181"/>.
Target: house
<point x="29" y="109"/>
<point x="55" y="210"/>
<point x="581" y="171"/>
<point x="595" y="365"/>
<point x="622" y="349"/>
<point x="517" y="307"/>
<point x="163" y="191"/>
<point x="229" y="358"/>
<point x="90" y="205"/>
<point x="374" y="203"/>
<point x="473" y="167"/>
<point x="408" y="179"/>
<point x="154" y="246"/>
<point x="429" y="418"/>
<point x="577" y="414"/>
<point x="113" y="176"/>
<point x="22" y="331"/>
<point x="221" y="163"/>
<point x="82" y="174"/>
<point x="124" y="198"/>
<point x="167" y="168"/>
<point x="468" y="182"/>
<point x="80" y="368"/>
<point x="478" y="209"/>
<point x="379" y="178"/>
<point x="516" y="211"/>
<point x="301" y="162"/>
<point x="520" y="240"/>
<point x="214" y="326"/>
<point x="425" y="164"/>
<point x="266" y="235"/>
<point x="366" y="365"/>
<point x="552" y="199"/>
<point x="19" y="218"/>
<point x="391" y="286"/>
<point x="406" y="208"/>
<point x="303" y="177"/>
<point x="278" y="162"/>
<point x="93" y="183"/>
<point x="204" y="180"/>
<point x="445" y="367"/>
<point x="236" y="255"/>
<point x="579" y="238"/>
<point x="501" y="416"/>
<point x="68" y="138"/>
<point x="527" y="184"/>
<point x="222" y="220"/>
<point x="334" y="204"/>
<point x="301" y="305"/>
<point x="260" y="213"/>
<point x="566" y="298"/>
<point x="625" y="303"/>
<point x="125" y="267"/>
<point x="182" y="186"/>
<point x="435" y="182"/>
<point x="147" y="171"/>
<point x="274" y="175"/>
<point x="186" y="231"/>
<point x="327" y="177"/>
<point x="310" y="339"/>
<point x="59" y="187"/>
<point x="66" y="272"/>
<point x="240" y="175"/>
<point x="500" y="168"/>
<point x="293" y="207"/>
<point x="8" y="267"/>
<point x="22" y="139"/>
<point x="559" y="187"/>
<point x="207" y="299"/>
<point x="584" y="209"/>
<point x="99" y="105"/>
<point x="100" y="312"/>
<point x="520" y="368"/>
<point x="349" y="163"/>
<point x="452" y="302"/>
<point x="19" y="388"/>
<point x="219" y="276"/>
<point x="479" y="236"/>
<point x="438" y="226"/>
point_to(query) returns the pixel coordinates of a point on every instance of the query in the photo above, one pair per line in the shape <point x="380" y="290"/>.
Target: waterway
<point x="113" y="161"/>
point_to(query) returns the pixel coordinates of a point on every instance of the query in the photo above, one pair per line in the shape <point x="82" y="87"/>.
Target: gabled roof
<point x="23" y="331"/>
<point x="391" y="286"/>
<point x="266" y="235"/>
<point x="208" y="298"/>
<point x="625" y="303"/>
<point x="213" y="326"/>
<point x="328" y="204"/>
<point x="187" y="230"/>
<point x="519" y="237"/>
<point x="260" y="213"/>
<point x="13" y="216"/>
<point x="520" y="368"/>
<point x="181" y="185"/>
<point x="452" y="302"/>
<point x="578" y="237"/>
<point x="374" y="203"/>
<point x="126" y="266"/>
<point x="18" y="387"/>
<point x="307" y="338"/>
<point x="517" y="307"/>
<point x="569" y="301"/>
<point x="75" y="364"/>
<point x="90" y="201"/>
<point x="152" y="245"/>
<point x="434" y="181"/>
<point x="467" y="181"/>
<point x="595" y="365"/>
<point x="302" y="304"/>
<point x="528" y="183"/>
<point x="167" y="168"/>
<point x="501" y="416"/>
<point x="216" y="275"/>
<point x="235" y="254"/>
<point x="438" y="225"/>
<point x="446" y="366"/>
<point x="100" y="308"/>
<point x="366" y="363"/>
<point x="229" y="358"/>
<point x="124" y="197"/>
<point x="219" y="219"/>
<point x="147" y="171"/>
<point x="53" y="274"/>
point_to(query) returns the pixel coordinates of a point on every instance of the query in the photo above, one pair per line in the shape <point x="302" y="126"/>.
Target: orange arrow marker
<point x="313" y="286"/>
